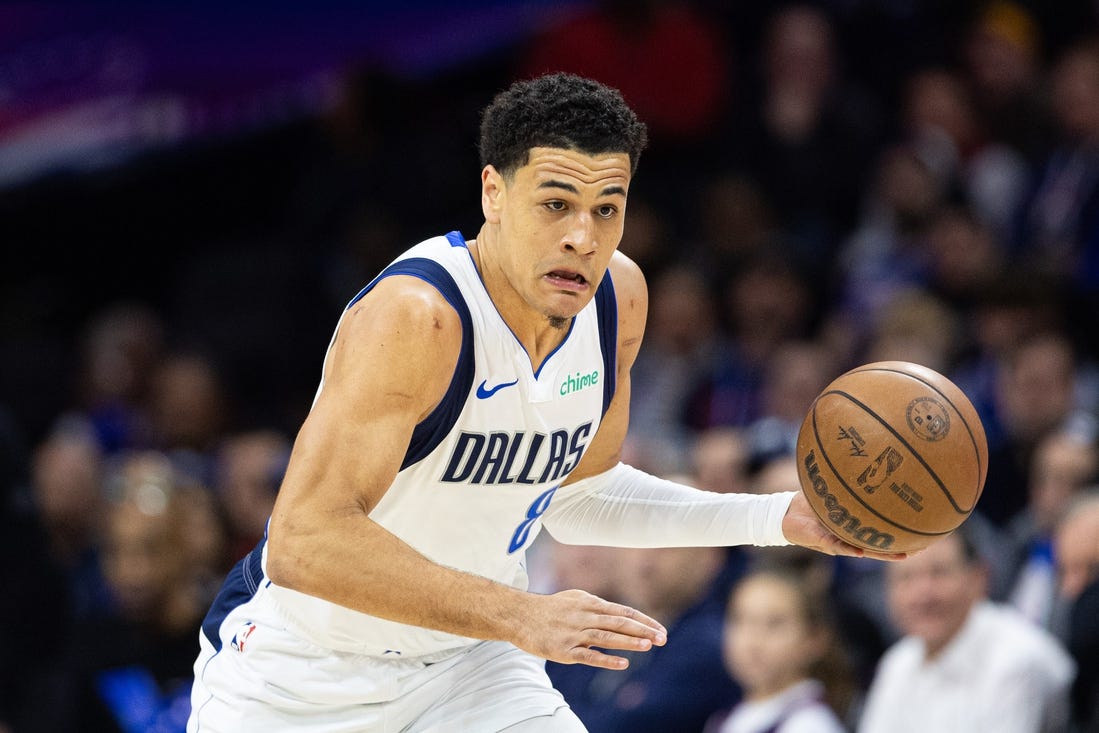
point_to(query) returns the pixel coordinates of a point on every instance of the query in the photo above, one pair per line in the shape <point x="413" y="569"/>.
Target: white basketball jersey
<point x="483" y="467"/>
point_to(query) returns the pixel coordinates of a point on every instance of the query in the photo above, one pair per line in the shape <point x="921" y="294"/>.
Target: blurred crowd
<point x="827" y="184"/>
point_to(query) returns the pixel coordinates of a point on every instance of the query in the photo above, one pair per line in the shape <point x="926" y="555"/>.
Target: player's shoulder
<point x="626" y="273"/>
<point x="406" y="306"/>
<point x="630" y="287"/>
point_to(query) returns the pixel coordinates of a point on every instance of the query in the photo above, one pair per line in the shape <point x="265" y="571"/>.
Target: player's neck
<point x="538" y="335"/>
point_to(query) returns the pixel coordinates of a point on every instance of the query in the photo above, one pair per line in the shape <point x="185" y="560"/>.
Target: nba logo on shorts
<point x="242" y="635"/>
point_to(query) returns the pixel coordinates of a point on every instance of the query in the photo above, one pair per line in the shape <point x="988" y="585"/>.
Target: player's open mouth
<point x="567" y="279"/>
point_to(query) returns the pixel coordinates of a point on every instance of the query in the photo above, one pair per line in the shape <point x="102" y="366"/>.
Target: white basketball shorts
<point x="266" y="679"/>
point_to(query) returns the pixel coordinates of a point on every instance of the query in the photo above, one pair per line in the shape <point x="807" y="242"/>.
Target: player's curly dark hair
<point x="558" y="110"/>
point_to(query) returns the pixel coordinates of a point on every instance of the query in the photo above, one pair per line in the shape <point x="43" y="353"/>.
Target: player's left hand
<point x="801" y="526"/>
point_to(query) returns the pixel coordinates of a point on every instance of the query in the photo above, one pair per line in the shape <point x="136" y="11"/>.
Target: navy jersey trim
<point x="606" y="306"/>
<point x="240" y="585"/>
<point x="427" y="434"/>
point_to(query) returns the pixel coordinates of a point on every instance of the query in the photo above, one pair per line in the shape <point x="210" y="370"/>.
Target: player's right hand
<point x="574" y="626"/>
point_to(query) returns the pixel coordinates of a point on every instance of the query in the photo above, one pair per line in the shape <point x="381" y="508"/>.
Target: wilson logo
<point x="838" y="514"/>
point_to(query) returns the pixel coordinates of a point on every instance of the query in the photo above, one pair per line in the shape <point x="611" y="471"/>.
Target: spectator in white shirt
<point x="964" y="664"/>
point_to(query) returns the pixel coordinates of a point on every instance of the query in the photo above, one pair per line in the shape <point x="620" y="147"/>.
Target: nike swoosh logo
<point x="484" y="394"/>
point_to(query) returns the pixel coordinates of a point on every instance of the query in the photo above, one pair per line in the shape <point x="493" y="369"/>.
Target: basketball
<point x="891" y="456"/>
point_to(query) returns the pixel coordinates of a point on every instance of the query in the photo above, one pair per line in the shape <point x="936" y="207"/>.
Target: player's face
<point x="768" y="643"/>
<point x="931" y="593"/>
<point x="560" y="219"/>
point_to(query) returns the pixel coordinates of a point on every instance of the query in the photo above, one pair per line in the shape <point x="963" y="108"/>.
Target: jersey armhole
<point x="606" y="307"/>
<point x="429" y="432"/>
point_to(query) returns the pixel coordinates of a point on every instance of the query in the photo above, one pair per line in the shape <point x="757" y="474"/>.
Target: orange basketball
<point x="891" y="456"/>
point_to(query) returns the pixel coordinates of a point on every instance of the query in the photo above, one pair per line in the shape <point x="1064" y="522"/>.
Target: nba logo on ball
<point x="891" y="456"/>
<point x="928" y="418"/>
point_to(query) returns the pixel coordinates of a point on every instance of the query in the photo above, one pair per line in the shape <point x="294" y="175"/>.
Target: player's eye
<point x="607" y="211"/>
<point x="555" y="205"/>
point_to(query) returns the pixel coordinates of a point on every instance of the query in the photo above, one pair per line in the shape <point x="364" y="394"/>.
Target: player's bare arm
<point x="390" y="365"/>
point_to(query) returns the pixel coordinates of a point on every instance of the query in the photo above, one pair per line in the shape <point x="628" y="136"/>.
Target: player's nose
<point x="580" y="235"/>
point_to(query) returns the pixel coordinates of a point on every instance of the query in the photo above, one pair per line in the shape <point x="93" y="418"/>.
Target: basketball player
<point x="472" y="393"/>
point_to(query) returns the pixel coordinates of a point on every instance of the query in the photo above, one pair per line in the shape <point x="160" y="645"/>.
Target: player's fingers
<point x="843" y="548"/>
<point x="607" y="639"/>
<point x="596" y="658"/>
<point x="888" y="557"/>
<point x="631" y="622"/>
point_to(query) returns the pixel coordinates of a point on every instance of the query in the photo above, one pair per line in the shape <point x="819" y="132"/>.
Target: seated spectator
<point x="964" y="664"/>
<point x="1076" y="543"/>
<point x="131" y="670"/>
<point x="849" y="585"/>
<point x="680" y="347"/>
<point x="120" y="347"/>
<point x="1036" y="391"/>
<point x="1065" y="462"/>
<point x="248" y="469"/>
<point x="675" y="687"/>
<point x="189" y="407"/>
<point x="67" y="474"/>
<point x="780" y="646"/>
<point x="720" y="458"/>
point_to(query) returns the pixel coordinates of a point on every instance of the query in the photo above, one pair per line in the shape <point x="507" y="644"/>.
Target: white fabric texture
<point x="798" y="709"/>
<point x="616" y="508"/>
<point x="1000" y="674"/>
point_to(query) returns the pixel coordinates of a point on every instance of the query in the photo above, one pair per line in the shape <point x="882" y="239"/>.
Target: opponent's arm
<point x="390" y="363"/>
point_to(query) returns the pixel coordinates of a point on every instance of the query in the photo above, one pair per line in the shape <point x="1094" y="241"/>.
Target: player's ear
<point x="492" y="194"/>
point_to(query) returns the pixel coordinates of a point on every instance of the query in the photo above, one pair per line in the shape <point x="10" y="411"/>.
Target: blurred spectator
<point x="122" y="344"/>
<point x="131" y="670"/>
<point x="767" y="302"/>
<point x="888" y="249"/>
<point x="67" y="485"/>
<point x="647" y="236"/>
<point x="808" y="134"/>
<point x="1076" y="544"/>
<point x="991" y="176"/>
<point x="1076" y="547"/>
<point x="675" y="687"/>
<point x="1012" y="307"/>
<point x="205" y="529"/>
<point x="966" y="257"/>
<point x="851" y="588"/>
<point x="719" y="459"/>
<point x="1035" y="392"/>
<point x="915" y="326"/>
<point x="1065" y="462"/>
<point x="735" y="224"/>
<point x="1002" y="52"/>
<point x="774" y="474"/>
<point x="796" y="373"/>
<point x="1060" y="233"/>
<point x="781" y="647"/>
<point x="190" y="411"/>
<point x="249" y="467"/>
<point x="964" y="663"/>
<point x="554" y="566"/>
<point x="680" y="346"/>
